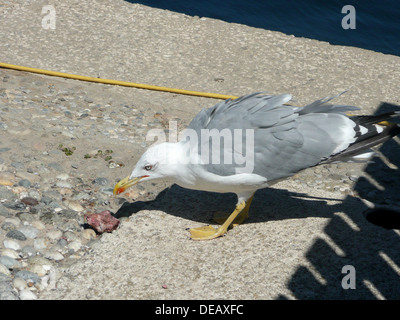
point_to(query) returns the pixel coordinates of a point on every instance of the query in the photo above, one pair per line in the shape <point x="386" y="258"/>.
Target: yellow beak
<point x="126" y="183"/>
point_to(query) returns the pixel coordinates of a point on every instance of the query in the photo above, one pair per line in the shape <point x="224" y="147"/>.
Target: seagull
<point x="265" y="140"/>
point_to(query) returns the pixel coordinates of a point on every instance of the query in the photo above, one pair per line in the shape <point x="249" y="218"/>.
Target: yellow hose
<point x="116" y="82"/>
<point x="128" y="84"/>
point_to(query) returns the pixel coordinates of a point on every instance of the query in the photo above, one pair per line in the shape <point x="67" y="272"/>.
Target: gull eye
<point x="148" y="167"/>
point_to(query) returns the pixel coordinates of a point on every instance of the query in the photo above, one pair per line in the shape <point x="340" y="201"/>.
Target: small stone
<point x="28" y="251"/>
<point x="63" y="176"/>
<point x="101" y="181"/>
<point x="16" y="234"/>
<point x="26" y="294"/>
<point x="11" y="244"/>
<point x="64" y="184"/>
<point x="28" y="276"/>
<point x="70" y="236"/>
<point x="24" y="183"/>
<point x="7" y="293"/>
<point x="4" y="182"/>
<point x="102" y="222"/>
<point x="34" y="194"/>
<point x="26" y="217"/>
<point x="10" y="263"/>
<point x="31" y="177"/>
<point x="19" y="284"/>
<point x="62" y="243"/>
<point x="54" y="234"/>
<point x="40" y="243"/>
<point x="74" y="205"/>
<point x="4" y="270"/>
<point x="46" y="200"/>
<point x="56" y="166"/>
<point x="88" y="234"/>
<point x="7" y="226"/>
<point x="38" y="260"/>
<point x="17" y="165"/>
<point x="9" y="253"/>
<point x="353" y="178"/>
<point x="53" y="255"/>
<point x="3" y="211"/>
<point x="14" y="220"/>
<point x="37" y="269"/>
<point x="4" y="277"/>
<point x="75" y="245"/>
<point x="38" y="224"/>
<point x="29" y="201"/>
<point x="29" y="231"/>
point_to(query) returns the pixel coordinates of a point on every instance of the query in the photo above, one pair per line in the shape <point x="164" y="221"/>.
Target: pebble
<point x="88" y="234"/>
<point x="63" y="177"/>
<point x="75" y="245"/>
<point x="38" y="269"/>
<point x="4" y="270"/>
<point x="10" y="263"/>
<point x="28" y="251"/>
<point x="19" y="284"/>
<point x="64" y="184"/>
<point x="15" y="221"/>
<point x="41" y="243"/>
<point x="101" y="181"/>
<point x="30" y="201"/>
<point x="16" y="234"/>
<point x="29" y="231"/>
<point x="26" y="294"/>
<point x="7" y="226"/>
<point x="53" y="255"/>
<point x="27" y="176"/>
<point x="9" y="253"/>
<point x="6" y="291"/>
<point x="38" y="225"/>
<point x="24" y="183"/>
<point x="28" y="276"/>
<point x="4" y="182"/>
<point x="54" y="234"/>
<point x="11" y="244"/>
<point x="74" y="205"/>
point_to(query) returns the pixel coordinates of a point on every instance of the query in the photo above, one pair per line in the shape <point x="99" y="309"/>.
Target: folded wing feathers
<point x="348" y="136"/>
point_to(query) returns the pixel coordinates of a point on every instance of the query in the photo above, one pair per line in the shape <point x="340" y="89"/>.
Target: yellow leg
<point x="220" y="217"/>
<point x="208" y="232"/>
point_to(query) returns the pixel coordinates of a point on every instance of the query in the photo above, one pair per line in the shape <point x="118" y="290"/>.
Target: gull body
<point x="264" y="141"/>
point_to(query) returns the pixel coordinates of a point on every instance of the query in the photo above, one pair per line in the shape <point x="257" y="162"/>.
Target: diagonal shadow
<point x="372" y="250"/>
<point x="200" y="205"/>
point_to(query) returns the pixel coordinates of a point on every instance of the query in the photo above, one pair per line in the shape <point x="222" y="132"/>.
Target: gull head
<point x="159" y="162"/>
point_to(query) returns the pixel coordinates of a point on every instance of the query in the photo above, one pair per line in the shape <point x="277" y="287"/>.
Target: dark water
<point x="377" y="22"/>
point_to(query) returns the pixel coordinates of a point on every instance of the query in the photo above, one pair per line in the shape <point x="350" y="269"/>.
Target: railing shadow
<point x="372" y="250"/>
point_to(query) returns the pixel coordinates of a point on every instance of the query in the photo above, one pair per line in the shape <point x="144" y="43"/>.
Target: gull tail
<point x="370" y="131"/>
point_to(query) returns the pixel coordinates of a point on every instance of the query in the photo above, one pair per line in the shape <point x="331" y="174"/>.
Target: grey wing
<point x="259" y="134"/>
